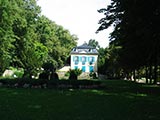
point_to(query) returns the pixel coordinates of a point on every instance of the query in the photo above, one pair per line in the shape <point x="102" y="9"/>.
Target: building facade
<point x="84" y="57"/>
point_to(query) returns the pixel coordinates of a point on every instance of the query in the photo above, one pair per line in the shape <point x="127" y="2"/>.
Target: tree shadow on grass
<point x="121" y="86"/>
<point x="131" y="101"/>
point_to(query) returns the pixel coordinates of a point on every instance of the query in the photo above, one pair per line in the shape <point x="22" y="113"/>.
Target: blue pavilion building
<point x="84" y="57"/>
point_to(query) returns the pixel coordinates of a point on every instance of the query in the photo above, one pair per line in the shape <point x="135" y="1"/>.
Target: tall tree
<point x="24" y="30"/>
<point x="28" y="40"/>
<point x="8" y="14"/>
<point x="94" y="43"/>
<point x="135" y="31"/>
<point x="58" y="41"/>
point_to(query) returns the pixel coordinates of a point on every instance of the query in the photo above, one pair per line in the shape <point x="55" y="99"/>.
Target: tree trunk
<point x="155" y="67"/>
<point x="150" y="74"/>
<point x="147" y="75"/>
<point x="134" y="75"/>
<point x="155" y="72"/>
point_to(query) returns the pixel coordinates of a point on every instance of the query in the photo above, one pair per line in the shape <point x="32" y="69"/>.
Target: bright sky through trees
<point x="80" y="17"/>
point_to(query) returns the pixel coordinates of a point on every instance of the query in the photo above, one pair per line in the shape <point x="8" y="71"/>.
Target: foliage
<point x="94" y="43"/>
<point x="46" y="83"/>
<point x="44" y="75"/>
<point x="108" y="60"/>
<point x="18" y="73"/>
<point x="8" y="14"/>
<point x="102" y="60"/>
<point x="58" y="41"/>
<point x="93" y="75"/>
<point x="135" y="33"/>
<point x="102" y="56"/>
<point x="54" y="76"/>
<point x="74" y="73"/>
<point x="48" y="67"/>
<point x="28" y="40"/>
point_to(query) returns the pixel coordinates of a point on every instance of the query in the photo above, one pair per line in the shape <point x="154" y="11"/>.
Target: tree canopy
<point x="136" y="31"/>
<point x="28" y="39"/>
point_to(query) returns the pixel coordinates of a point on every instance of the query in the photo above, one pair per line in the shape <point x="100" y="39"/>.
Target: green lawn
<point x="119" y="100"/>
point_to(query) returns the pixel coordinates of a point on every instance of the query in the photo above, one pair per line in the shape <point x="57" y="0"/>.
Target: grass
<point x="119" y="100"/>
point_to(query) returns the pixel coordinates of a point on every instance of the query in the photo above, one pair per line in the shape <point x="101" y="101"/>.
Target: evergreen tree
<point x="136" y="31"/>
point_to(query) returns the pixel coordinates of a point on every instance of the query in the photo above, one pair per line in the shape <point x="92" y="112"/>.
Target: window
<point x="83" y="68"/>
<point x="91" y="69"/>
<point x="76" y="60"/>
<point x="83" y="60"/>
<point x="91" y="60"/>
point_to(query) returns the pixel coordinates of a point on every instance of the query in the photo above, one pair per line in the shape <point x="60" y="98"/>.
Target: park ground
<point x="118" y="100"/>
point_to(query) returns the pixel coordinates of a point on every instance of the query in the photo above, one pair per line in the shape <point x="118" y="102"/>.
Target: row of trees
<point x="134" y="42"/>
<point x="30" y="40"/>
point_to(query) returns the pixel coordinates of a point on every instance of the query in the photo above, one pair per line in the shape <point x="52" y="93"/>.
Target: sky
<point x="80" y="17"/>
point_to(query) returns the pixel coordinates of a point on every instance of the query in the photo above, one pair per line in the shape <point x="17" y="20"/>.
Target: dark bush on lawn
<point x="44" y="75"/>
<point x="41" y="83"/>
<point x="74" y="73"/>
<point x="54" y="76"/>
<point x="93" y="75"/>
<point x="19" y="82"/>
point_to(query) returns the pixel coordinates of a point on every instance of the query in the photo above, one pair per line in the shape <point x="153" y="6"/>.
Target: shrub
<point x="44" y="75"/>
<point x="41" y="83"/>
<point x="54" y="76"/>
<point x="67" y="74"/>
<point x="17" y="72"/>
<point x="93" y="75"/>
<point x="74" y="73"/>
